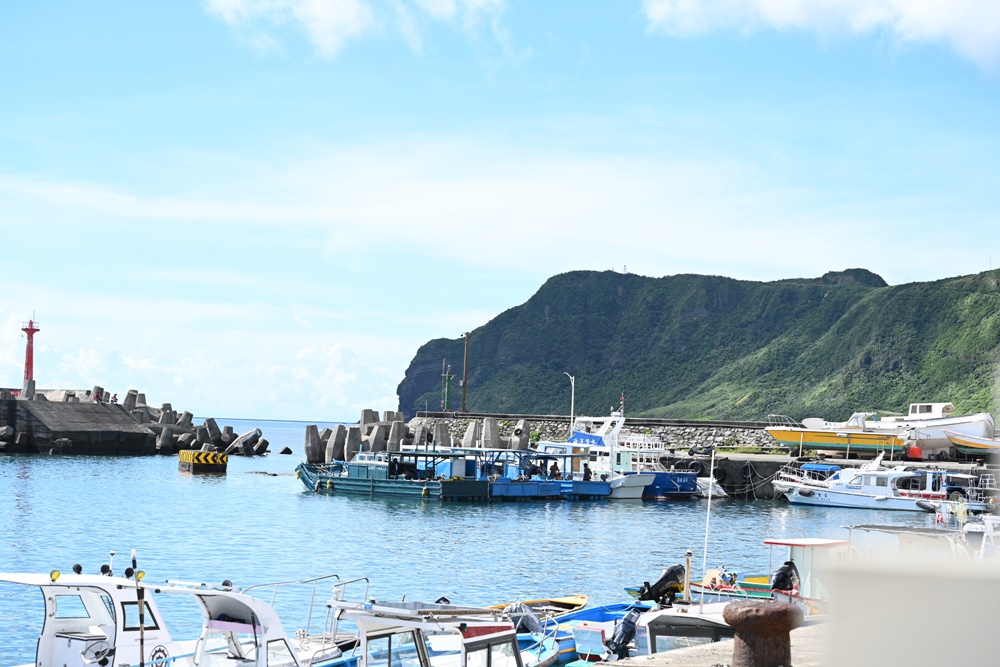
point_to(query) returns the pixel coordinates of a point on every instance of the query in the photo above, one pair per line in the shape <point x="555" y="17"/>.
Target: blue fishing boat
<point x="430" y="474"/>
<point x="603" y="619"/>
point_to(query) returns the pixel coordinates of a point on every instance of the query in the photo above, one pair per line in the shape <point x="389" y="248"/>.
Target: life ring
<point x="697" y="467"/>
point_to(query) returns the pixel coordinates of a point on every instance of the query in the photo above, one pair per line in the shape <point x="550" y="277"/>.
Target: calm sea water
<point x="254" y="528"/>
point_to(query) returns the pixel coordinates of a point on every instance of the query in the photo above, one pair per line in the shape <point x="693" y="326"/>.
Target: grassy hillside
<point x="711" y="347"/>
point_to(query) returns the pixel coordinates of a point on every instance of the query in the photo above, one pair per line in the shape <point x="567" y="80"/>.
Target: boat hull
<point x="837" y="498"/>
<point x="839" y="441"/>
<point x="317" y="479"/>
<point x="973" y="445"/>
<point x="630" y="487"/>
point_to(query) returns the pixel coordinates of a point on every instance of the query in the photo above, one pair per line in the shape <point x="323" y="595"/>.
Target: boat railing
<point x="313" y="582"/>
<point x="782" y="420"/>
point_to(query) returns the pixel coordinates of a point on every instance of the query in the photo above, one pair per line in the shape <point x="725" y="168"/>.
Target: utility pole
<point x="446" y="378"/>
<point x="572" y="400"/>
<point x="465" y="369"/>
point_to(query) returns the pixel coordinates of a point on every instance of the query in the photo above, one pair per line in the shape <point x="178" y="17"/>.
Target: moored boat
<point x="420" y="634"/>
<point x="108" y="621"/>
<point x="439" y="475"/>
<point x="873" y="486"/>
<point x="972" y="445"/>
<point x="922" y="430"/>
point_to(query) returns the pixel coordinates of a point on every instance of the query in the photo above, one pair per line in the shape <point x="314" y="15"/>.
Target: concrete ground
<point x="809" y="649"/>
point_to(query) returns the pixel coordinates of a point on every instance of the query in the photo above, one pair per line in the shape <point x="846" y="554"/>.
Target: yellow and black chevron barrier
<point x="190" y="460"/>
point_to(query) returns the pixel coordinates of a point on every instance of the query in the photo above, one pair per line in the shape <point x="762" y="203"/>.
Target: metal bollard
<point x="762" y="629"/>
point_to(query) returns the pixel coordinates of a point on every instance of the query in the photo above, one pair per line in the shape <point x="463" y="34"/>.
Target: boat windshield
<point x="395" y="650"/>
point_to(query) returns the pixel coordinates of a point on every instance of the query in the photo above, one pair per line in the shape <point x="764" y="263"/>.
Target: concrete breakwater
<point x="89" y="422"/>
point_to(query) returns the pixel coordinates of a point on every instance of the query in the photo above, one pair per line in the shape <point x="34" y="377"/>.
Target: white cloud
<point x="329" y="24"/>
<point x="970" y="27"/>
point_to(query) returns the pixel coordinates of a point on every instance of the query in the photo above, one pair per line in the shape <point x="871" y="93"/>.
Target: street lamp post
<point x="572" y="400"/>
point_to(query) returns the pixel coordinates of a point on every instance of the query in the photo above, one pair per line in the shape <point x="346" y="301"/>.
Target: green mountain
<point x="709" y="347"/>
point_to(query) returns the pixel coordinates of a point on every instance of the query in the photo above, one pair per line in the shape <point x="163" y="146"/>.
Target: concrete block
<point x="140" y="399"/>
<point x="165" y="442"/>
<point x="491" y="433"/>
<point x="442" y="435"/>
<point x="28" y="391"/>
<point x="471" y="438"/>
<point x="40" y="397"/>
<point x="208" y="447"/>
<point x="106" y="397"/>
<point x="396" y="433"/>
<point x="377" y="439"/>
<point x="260" y="449"/>
<point x="228" y="435"/>
<point x="335" y="444"/>
<point x="62" y="446"/>
<point x="325" y="434"/>
<point x="97" y="394"/>
<point x="6" y="395"/>
<point x="130" y="400"/>
<point x="368" y="420"/>
<point x="186" y="420"/>
<point x="6" y="432"/>
<point x="286" y="451"/>
<point x="521" y="436"/>
<point x="141" y="415"/>
<point x="352" y="442"/>
<point x="214" y="434"/>
<point x="201" y="434"/>
<point x="312" y="444"/>
<point x="186" y="441"/>
<point x="420" y="436"/>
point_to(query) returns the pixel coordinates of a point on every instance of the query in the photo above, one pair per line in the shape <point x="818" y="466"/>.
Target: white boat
<point x="599" y="438"/>
<point x="416" y="634"/>
<point x="875" y="487"/>
<point x="925" y="425"/>
<point x="113" y="621"/>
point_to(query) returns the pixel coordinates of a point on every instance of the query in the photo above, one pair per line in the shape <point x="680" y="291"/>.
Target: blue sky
<point x="261" y="208"/>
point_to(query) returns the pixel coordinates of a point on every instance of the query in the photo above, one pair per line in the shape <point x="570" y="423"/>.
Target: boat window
<point x="397" y="650"/>
<point x="478" y="658"/>
<point x="278" y="654"/>
<point x="70" y="606"/>
<point x="109" y="605"/>
<point x="881" y="481"/>
<point x="503" y="655"/>
<point x="925" y="408"/>
<point x="130" y="616"/>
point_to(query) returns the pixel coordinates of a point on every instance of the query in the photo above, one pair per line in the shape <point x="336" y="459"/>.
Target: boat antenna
<point x="708" y="513"/>
<point x="140" y="595"/>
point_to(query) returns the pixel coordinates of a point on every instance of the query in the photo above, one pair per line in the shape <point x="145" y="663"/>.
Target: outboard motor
<point x="523" y="617"/>
<point x="624" y="634"/>
<point x="785" y="578"/>
<point x="666" y="588"/>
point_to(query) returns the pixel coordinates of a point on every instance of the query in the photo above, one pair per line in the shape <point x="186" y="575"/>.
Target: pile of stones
<point x="392" y="434"/>
<point x="176" y="431"/>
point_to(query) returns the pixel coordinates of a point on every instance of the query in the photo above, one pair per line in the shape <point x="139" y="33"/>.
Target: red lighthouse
<point x="29" y="353"/>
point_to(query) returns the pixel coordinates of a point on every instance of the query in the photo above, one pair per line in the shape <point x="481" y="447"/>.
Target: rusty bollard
<point x="762" y="632"/>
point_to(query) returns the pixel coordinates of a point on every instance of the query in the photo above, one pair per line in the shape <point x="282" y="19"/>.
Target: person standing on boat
<point x="587" y="472"/>
<point x="554" y="470"/>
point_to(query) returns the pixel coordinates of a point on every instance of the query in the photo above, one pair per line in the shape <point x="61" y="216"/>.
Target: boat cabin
<point x="99" y="620"/>
<point x="415" y="634"/>
<point x="925" y="411"/>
